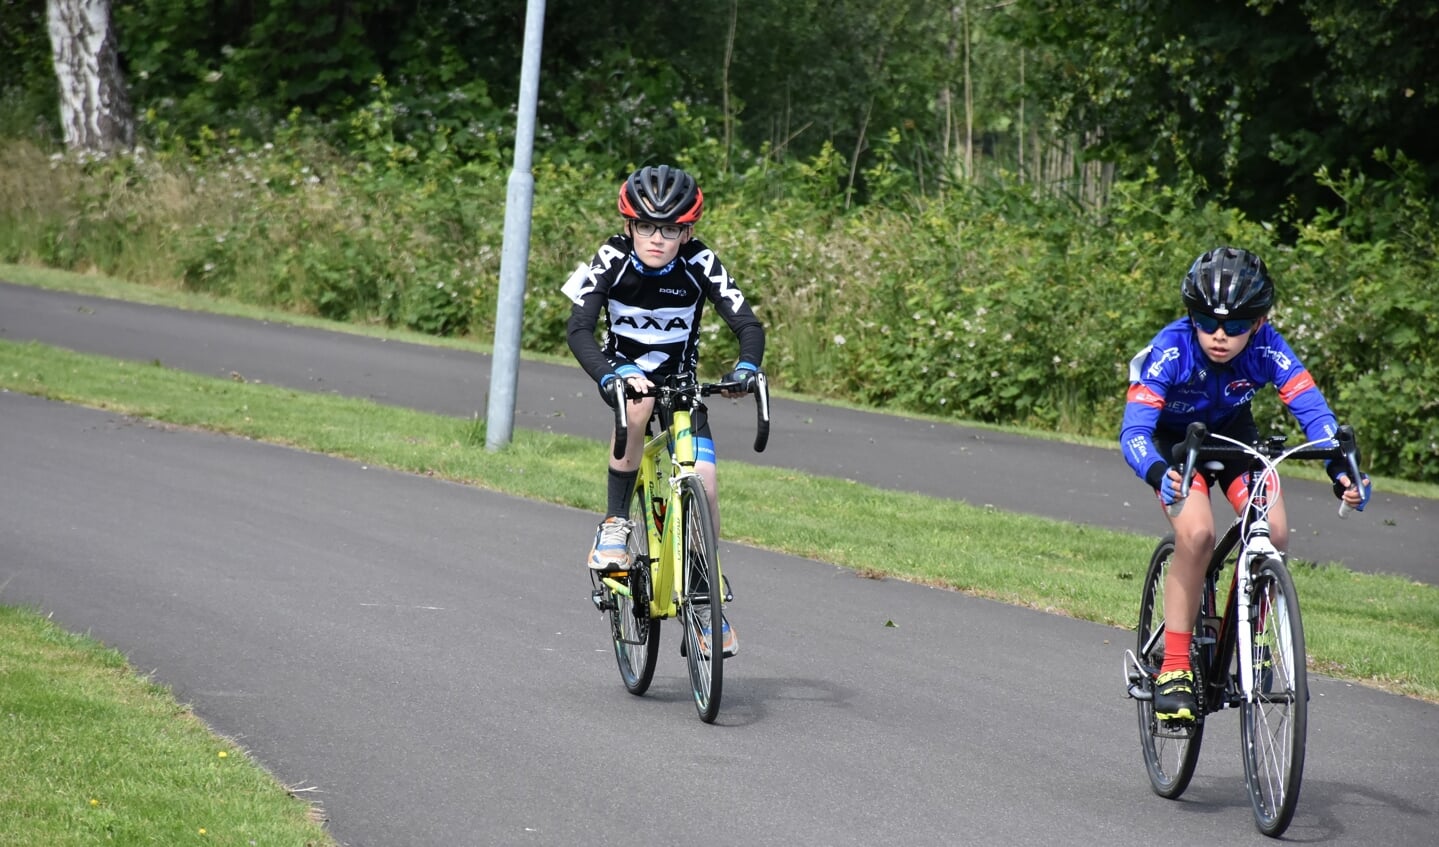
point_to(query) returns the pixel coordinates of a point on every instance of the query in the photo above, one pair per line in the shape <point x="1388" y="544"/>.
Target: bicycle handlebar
<point x="1271" y="450"/>
<point x="758" y="385"/>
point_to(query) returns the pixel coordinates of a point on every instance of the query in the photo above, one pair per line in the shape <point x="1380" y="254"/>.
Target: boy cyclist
<point x="1206" y="367"/>
<point x="652" y="280"/>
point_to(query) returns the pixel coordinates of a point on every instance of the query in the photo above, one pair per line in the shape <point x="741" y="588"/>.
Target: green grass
<point x="1375" y="630"/>
<point x="90" y="753"/>
<point x="1381" y="630"/>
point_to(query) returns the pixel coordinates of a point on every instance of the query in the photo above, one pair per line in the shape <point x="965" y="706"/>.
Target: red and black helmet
<point x="1228" y="283"/>
<point x="661" y="194"/>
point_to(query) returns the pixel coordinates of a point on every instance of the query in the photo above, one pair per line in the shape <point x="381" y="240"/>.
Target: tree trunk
<point x="94" y="108"/>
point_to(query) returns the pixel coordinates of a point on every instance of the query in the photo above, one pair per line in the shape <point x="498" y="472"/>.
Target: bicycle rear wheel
<point x="1170" y="751"/>
<point x="636" y="634"/>
<point x="1273" y="725"/>
<point x="701" y="602"/>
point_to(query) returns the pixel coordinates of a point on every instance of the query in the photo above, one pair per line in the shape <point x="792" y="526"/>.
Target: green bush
<point x="989" y="302"/>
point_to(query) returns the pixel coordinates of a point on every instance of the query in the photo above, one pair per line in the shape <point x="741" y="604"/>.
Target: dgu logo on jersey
<point x="650" y="322"/>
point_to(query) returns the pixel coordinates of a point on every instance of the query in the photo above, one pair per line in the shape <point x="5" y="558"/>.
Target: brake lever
<point x="1193" y="437"/>
<point x="622" y="427"/>
<point x="1350" y="445"/>
<point x="761" y="404"/>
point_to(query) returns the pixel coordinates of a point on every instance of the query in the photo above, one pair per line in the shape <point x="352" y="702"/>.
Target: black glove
<point x="743" y="374"/>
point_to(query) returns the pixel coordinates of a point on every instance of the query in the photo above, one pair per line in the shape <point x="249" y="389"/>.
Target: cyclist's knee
<point x="1194" y="539"/>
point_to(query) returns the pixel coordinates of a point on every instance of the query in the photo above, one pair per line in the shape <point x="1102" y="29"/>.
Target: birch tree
<point x="94" y="108"/>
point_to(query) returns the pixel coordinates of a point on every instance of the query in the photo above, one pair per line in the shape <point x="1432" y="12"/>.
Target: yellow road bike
<point x="1246" y="654"/>
<point x="674" y="571"/>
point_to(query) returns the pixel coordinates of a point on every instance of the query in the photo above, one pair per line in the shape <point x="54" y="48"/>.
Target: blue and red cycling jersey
<point x="1172" y="384"/>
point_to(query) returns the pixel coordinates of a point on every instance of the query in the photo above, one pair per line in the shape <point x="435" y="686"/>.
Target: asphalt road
<point x="424" y="656"/>
<point x="1089" y="485"/>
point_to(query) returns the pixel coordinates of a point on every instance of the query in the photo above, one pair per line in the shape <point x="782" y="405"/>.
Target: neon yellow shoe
<point x="1174" y="696"/>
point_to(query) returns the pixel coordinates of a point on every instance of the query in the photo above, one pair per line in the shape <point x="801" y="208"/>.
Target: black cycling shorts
<point x="1241" y="428"/>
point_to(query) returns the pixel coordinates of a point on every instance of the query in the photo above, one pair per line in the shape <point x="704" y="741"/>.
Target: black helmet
<point x="661" y="194"/>
<point x="1228" y="282"/>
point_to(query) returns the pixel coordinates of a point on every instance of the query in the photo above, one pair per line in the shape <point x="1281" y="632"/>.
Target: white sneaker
<point x="612" y="545"/>
<point x="728" y="640"/>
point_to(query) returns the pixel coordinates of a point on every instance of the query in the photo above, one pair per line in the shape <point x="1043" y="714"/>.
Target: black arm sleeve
<point x="584" y="317"/>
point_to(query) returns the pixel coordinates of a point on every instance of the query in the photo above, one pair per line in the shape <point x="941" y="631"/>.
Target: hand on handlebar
<point x="743" y="375"/>
<point x="636" y="383"/>
<point x="1169" y="487"/>
<point x="1355" y="497"/>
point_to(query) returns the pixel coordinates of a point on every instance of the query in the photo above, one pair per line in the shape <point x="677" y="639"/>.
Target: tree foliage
<point x="1247" y="99"/>
<point x="1253" y="97"/>
<point x="364" y="143"/>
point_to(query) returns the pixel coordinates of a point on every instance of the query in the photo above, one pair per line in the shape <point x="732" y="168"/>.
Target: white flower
<point x="839" y="340"/>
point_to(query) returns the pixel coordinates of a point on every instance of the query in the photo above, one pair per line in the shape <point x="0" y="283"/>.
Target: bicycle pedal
<point x="1179" y="729"/>
<point x="598" y="598"/>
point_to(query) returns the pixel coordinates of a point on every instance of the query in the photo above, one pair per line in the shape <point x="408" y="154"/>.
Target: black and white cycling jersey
<point x="652" y="316"/>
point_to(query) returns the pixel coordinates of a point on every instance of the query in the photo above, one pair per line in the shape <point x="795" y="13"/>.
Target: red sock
<point x="1176" y="650"/>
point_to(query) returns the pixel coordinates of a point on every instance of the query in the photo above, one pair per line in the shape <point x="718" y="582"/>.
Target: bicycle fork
<point x="1259" y="549"/>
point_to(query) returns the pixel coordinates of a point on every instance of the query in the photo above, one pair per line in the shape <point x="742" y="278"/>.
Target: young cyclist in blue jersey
<point x="1206" y="367"/>
<point x="651" y="281"/>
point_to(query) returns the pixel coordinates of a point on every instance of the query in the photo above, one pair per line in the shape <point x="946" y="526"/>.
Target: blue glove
<point x="1169" y="490"/>
<point x="1337" y="472"/>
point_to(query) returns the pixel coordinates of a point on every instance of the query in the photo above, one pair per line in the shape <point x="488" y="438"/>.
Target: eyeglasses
<point x="1233" y="327"/>
<point x="669" y="232"/>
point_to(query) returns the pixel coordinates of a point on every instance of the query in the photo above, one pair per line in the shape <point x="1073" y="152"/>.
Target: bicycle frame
<point x="675" y="442"/>
<point x="675" y="572"/>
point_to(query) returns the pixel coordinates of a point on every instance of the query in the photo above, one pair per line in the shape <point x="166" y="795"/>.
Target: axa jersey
<point x="653" y="315"/>
<point x="1172" y="384"/>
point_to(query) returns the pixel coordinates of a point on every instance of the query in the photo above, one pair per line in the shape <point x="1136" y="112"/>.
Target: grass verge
<point x="90" y="753"/>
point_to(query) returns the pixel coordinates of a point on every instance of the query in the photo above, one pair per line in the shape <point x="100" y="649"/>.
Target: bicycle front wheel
<point x="1170" y="752"/>
<point x="1274" y="722"/>
<point x="701" y="602"/>
<point x="636" y="634"/>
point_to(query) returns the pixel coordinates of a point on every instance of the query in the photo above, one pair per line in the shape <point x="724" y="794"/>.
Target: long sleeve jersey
<point x="652" y="316"/>
<point x="1172" y="384"/>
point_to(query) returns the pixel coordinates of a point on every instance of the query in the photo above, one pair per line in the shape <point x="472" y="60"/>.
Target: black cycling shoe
<point x="1174" y="696"/>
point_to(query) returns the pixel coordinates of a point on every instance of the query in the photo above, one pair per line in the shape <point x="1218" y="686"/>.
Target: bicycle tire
<point x="636" y="635"/>
<point x="701" y="588"/>
<point x="1170" y="754"/>
<point x="1274" y="724"/>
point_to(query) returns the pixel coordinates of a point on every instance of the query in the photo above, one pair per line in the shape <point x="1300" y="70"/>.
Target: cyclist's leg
<point x="1193" y="546"/>
<point x="637" y="414"/>
<point x="1238" y="494"/>
<point x="1279" y="524"/>
<point x="705" y="469"/>
<point x="610" y="550"/>
<point x="705" y="464"/>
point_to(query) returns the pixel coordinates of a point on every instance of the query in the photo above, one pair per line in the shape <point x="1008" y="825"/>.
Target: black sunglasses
<point x="1232" y="327"/>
